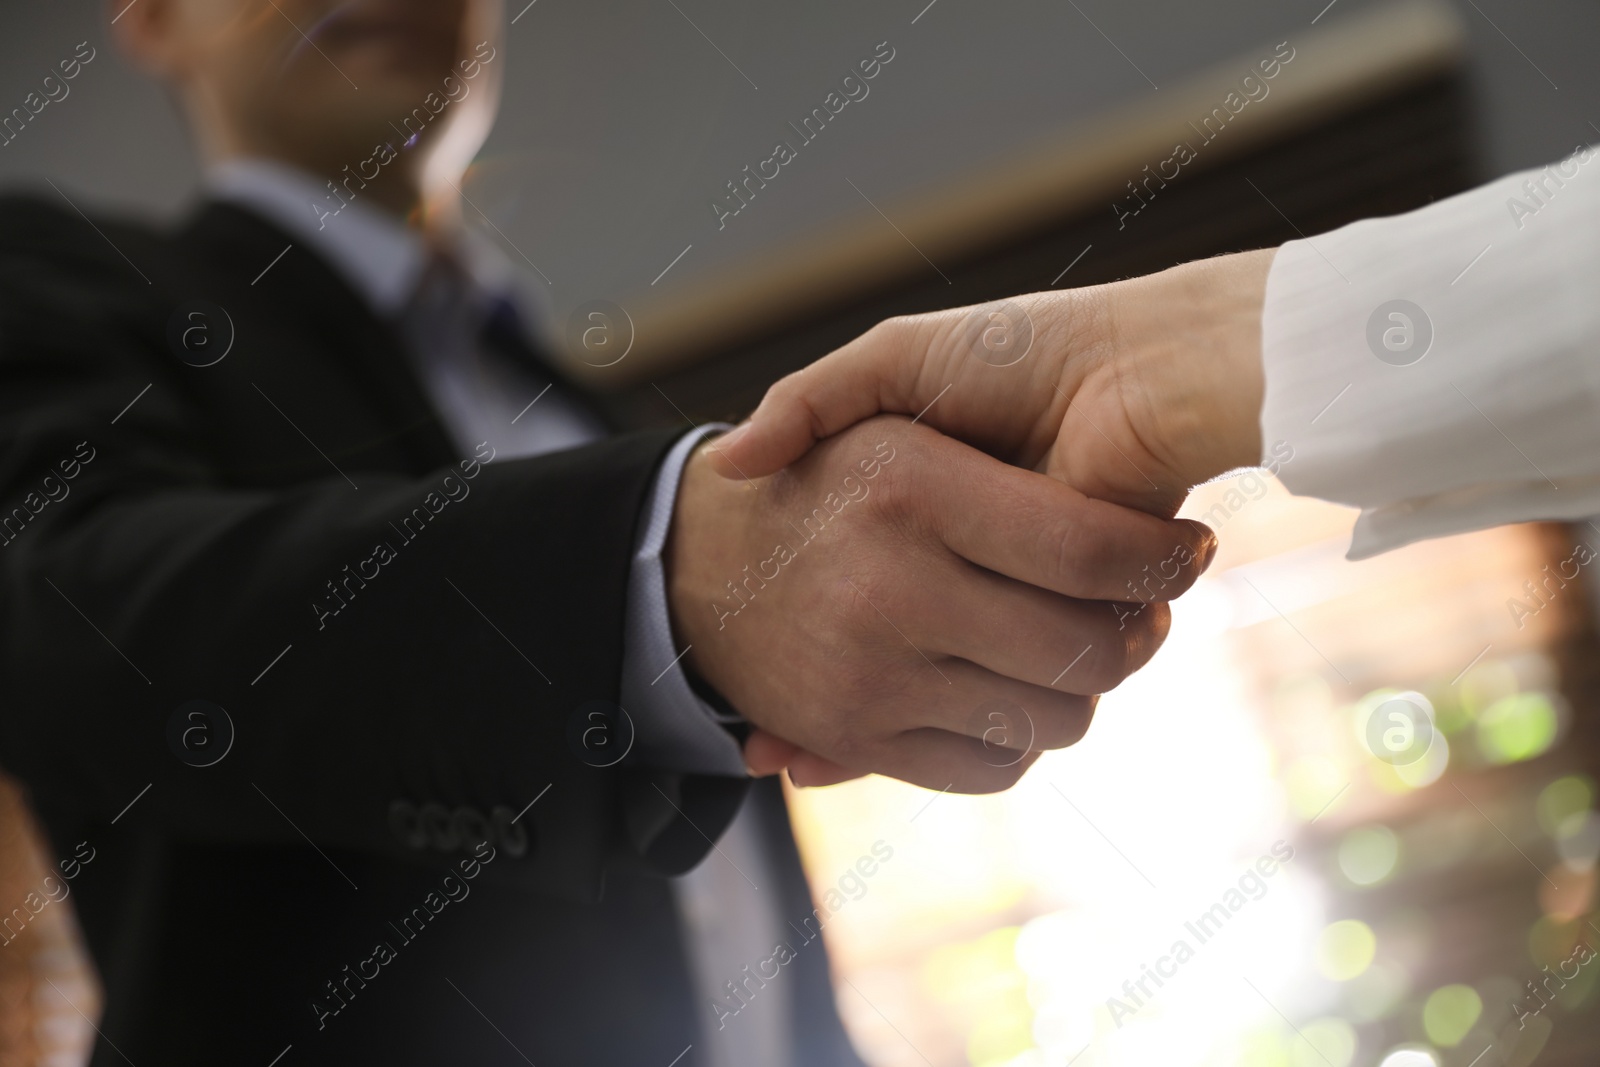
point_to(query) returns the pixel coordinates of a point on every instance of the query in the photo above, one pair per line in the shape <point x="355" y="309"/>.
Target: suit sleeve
<point x="398" y="666"/>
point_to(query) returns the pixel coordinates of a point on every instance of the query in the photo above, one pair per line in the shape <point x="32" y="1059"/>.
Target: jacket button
<point x="511" y="836"/>
<point x="471" y="827"/>
<point x="405" y="825"/>
<point x="439" y="827"/>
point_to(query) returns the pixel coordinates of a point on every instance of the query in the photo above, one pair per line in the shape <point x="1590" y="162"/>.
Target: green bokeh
<point x="1329" y="1042"/>
<point x="1346" y="949"/>
<point x="1368" y="855"/>
<point x="1564" y="797"/>
<point x="1450" y="1013"/>
<point x="1517" y="728"/>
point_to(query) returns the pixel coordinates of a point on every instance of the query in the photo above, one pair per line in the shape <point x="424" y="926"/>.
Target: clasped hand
<point x="939" y="599"/>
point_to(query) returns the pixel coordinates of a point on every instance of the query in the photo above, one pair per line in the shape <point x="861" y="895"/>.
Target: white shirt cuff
<point x="673" y="728"/>
<point x="1441" y="369"/>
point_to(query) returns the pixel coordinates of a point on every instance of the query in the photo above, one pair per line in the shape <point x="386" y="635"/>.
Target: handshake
<point x="925" y="554"/>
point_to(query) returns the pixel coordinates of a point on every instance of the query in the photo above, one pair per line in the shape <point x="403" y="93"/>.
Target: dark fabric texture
<point x="218" y="539"/>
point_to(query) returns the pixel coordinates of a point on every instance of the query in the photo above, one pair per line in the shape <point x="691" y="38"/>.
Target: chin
<point x="415" y="68"/>
<point x="388" y="96"/>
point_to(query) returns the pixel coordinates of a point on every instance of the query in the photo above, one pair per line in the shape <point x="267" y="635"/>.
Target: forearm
<point x="368" y="649"/>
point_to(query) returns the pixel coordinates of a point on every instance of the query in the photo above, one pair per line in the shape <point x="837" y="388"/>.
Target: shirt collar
<point x="377" y="253"/>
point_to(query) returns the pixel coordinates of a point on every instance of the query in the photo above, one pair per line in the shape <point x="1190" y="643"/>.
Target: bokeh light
<point x="1377" y="992"/>
<point x="1425" y="771"/>
<point x="1450" y="1013"/>
<point x="1311" y="782"/>
<point x="1326" y="1042"/>
<point x="1563" y="798"/>
<point x="1517" y="728"/>
<point x="1368" y="854"/>
<point x="1578" y="840"/>
<point x="1345" y="949"/>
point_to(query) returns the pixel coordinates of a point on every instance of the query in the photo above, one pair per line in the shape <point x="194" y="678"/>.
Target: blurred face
<point x="319" y="83"/>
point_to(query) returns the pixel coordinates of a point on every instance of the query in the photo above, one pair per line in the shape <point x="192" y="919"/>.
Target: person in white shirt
<point x="1440" y="370"/>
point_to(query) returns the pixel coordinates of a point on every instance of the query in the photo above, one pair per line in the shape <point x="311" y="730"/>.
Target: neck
<point x="391" y="188"/>
<point x="386" y="176"/>
<point x="416" y="185"/>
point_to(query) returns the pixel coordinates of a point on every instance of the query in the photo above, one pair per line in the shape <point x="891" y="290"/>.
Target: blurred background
<point x="1431" y="906"/>
<point x="1421" y="900"/>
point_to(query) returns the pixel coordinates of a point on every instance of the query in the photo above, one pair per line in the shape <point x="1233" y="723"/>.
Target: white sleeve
<point x="1441" y="369"/>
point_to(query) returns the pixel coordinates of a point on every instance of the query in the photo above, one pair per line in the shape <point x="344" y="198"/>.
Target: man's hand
<point x="898" y="602"/>
<point x="1130" y="392"/>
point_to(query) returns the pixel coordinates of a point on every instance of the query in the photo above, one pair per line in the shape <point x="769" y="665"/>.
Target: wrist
<point x="708" y="519"/>
<point x="1192" y="336"/>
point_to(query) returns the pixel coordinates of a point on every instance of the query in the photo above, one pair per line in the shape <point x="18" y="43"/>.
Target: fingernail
<point x="1208" y="554"/>
<point x="797" y="783"/>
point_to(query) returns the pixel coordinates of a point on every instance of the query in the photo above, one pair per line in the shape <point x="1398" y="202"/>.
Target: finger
<point x="1038" y="530"/>
<point x="809" y="771"/>
<point x="766" y="754"/>
<point x="1035" y="636"/>
<point x="872" y="373"/>
<point x="949" y="762"/>
<point x="1009" y="717"/>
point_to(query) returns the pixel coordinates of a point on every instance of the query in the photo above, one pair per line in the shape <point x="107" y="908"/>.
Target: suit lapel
<point x="337" y="324"/>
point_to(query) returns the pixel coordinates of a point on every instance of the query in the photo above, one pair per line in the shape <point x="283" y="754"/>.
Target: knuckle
<point x="885" y="338"/>
<point x="787" y="386"/>
<point x="1145" y="639"/>
<point x="1139" y="634"/>
<point x="847" y="748"/>
<point x="892" y="328"/>
<point x="784" y="393"/>
<point x="974" y="771"/>
<point x="893" y="493"/>
<point x="906" y="507"/>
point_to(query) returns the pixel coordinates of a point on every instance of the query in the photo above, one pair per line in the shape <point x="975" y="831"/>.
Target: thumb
<point x="874" y="373"/>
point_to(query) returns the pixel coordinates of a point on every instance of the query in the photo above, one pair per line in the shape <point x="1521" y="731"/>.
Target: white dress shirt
<point x="440" y="317"/>
<point x="1474" y="403"/>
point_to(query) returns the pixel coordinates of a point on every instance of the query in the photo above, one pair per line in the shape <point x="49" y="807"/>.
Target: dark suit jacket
<point x="172" y="550"/>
